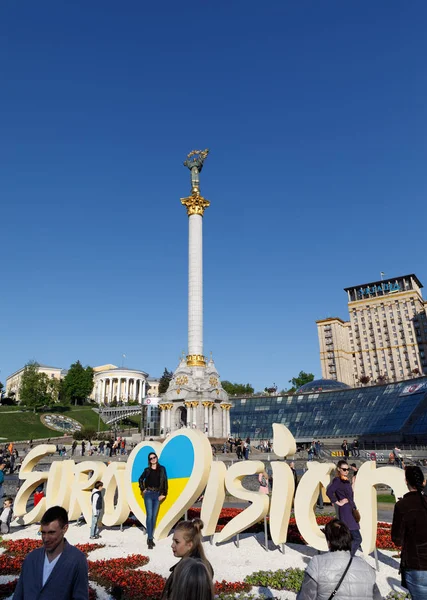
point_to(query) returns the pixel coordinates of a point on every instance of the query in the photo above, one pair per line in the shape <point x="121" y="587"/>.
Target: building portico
<point x="119" y="384"/>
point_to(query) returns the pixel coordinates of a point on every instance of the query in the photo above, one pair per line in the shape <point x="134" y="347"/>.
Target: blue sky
<point x="315" y="115"/>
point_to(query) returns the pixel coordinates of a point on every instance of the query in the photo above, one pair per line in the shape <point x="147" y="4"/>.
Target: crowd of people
<point x="242" y="448"/>
<point x="58" y="570"/>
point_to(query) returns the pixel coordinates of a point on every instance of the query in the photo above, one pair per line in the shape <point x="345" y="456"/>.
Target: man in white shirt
<point x="97" y="503"/>
<point x="57" y="570"/>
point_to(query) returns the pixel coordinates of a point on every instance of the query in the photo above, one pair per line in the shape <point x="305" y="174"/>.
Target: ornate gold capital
<point x="195" y="404"/>
<point x="187" y="404"/>
<point x="196" y="360"/>
<point x="195" y="203"/>
<point x="207" y="403"/>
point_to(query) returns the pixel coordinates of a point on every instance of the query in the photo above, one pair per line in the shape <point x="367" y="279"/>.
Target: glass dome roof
<point x="322" y="385"/>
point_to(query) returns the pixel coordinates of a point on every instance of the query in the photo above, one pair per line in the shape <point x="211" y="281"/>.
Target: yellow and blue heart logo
<point x="187" y="457"/>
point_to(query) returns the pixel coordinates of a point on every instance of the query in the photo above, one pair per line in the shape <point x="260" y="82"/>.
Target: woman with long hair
<point x="153" y="484"/>
<point x="338" y="570"/>
<point x="192" y="581"/>
<point x="340" y="493"/>
<point x="187" y="543"/>
<point x="409" y="530"/>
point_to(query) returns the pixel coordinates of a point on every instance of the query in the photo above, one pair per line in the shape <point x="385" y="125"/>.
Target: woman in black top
<point x="409" y="530"/>
<point x="187" y="542"/>
<point x="153" y="484"/>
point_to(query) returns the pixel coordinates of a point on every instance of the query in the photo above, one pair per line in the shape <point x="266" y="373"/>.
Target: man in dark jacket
<point x="57" y="570"/>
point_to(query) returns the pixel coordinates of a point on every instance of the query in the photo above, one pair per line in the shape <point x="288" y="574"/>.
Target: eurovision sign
<point x="187" y="458"/>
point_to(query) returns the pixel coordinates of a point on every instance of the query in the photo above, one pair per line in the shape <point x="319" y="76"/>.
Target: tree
<point x="300" y="380"/>
<point x="237" y="389"/>
<point x="37" y="389"/>
<point x="164" y="381"/>
<point x="77" y="384"/>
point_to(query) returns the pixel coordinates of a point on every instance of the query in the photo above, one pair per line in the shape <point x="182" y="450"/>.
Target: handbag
<point x="341" y="580"/>
<point x="356" y="515"/>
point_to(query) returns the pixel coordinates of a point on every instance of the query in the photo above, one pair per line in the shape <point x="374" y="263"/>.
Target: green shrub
<point x="397" y="596"/>
<point x="283" y="579"/>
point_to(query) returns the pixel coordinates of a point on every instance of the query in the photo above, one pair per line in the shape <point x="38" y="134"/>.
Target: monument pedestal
<point x="195" y="399"/>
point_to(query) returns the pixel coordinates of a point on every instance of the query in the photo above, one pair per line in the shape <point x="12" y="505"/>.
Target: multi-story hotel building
<point x="385" y="338"/>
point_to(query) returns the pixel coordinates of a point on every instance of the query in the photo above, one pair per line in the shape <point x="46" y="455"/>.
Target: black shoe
<point x="150" y="544"/>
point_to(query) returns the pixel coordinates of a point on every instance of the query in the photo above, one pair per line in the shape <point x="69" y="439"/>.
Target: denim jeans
<point x="94" y="529"/>
<point x="151" y="500"/>
<point x="416" y="582"/>
<point x="356" y="540"/>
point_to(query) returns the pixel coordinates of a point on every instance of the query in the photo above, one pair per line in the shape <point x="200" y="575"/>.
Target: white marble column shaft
<point x="195" y="284"/>
<point x="210" y="423"/>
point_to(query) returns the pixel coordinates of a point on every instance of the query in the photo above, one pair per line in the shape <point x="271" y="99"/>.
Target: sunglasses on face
<point x="153" y="457"/>
<point x="344" y="469"/>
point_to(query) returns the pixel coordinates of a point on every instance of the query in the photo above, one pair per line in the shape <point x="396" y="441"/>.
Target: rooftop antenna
<point x="382" y="275"/>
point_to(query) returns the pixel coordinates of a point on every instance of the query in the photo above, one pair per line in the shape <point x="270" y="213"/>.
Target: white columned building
<point x="118" y="384"/>
<point x="195" y="392"/>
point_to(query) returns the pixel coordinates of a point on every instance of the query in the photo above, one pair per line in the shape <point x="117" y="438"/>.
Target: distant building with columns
<point x="118" y="384"/>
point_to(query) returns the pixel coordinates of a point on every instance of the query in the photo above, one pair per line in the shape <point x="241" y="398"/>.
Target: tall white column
<point x="169" y="419"/>
<point x="206" y="417"/>
<point x="162" y="420"/>
<point x="223" y="421"/>
<point x="103" y="390"/>
<point x="144" y="386"/>
<point x="195" y="407"/>
<point x="127" y="388"/>
<point x="195" y="285"/>
<point x="119" y="386"/>
<point x="189" y="420"/>
<point x="210" y="424"/>
<point x="228" y="422"/>
<point x="140" y="392"/>
<point x="111" y="389"/>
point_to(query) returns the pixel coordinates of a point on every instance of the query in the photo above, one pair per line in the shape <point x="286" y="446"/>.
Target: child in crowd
<point x="6" y="516"/>
<point x="192" y="581"/>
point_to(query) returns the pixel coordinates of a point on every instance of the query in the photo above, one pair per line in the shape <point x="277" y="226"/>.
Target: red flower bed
<point x="7" y="589"/>
<point x="225" y="587"/>
<point x="20" y="548"/>
<point x="86" y="548"/>
<point x="10" y="565"/>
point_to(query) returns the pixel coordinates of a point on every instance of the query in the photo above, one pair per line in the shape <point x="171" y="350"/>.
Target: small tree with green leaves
<point x="165" y="380"/>
<point x="301" y="379"/>
<point x="77" y="384"/>
<point x="237" y="389"/>
<point x="37" y="389"/>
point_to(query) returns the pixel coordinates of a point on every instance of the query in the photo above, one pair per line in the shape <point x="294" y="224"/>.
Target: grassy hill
<point x="18" y="425"/>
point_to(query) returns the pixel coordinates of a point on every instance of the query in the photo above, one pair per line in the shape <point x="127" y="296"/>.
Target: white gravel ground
<point x="229" y="562"/>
